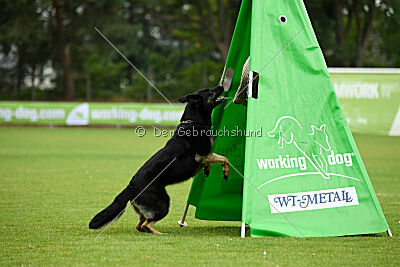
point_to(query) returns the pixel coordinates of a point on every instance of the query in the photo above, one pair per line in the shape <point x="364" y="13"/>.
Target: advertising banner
<point x="59" y="113"/>
<point x="370" y="99"/>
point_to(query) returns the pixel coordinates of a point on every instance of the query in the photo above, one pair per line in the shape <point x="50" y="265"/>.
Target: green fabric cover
<point x="306" y="162"/>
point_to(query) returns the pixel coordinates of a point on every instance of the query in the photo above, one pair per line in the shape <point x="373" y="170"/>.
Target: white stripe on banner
<point x="314" y="200"/>
<point x="395" y="130"/>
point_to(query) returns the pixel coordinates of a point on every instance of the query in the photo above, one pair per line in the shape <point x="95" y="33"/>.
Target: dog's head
<point x="205" y="99"/>
<point x="201" y="103"/>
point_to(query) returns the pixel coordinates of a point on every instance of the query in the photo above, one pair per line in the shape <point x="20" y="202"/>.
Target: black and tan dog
<point x="189" y="150"/>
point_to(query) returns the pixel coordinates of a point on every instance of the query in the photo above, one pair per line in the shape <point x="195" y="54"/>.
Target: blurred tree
<point x="49" y="49"/>
<point x="25" y="47"/>
<point x="211" y="20"/>
<point x="388" y="27"/>
<point x="64" y="51"/>
<point x="350" y="30"/>
<point x="203" y="30"/>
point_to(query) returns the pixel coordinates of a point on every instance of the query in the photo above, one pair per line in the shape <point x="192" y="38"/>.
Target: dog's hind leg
<point x="142" y="219"/>
<point x="154" y="206"/>
<point x="147" y="227"/>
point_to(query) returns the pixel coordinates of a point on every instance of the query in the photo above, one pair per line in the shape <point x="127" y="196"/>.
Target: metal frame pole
<point x="182" y="222"/>
<point x="243" y="230"/>
<point x="389" y="233"/>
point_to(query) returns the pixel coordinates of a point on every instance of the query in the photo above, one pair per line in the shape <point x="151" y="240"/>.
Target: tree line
<point x="50" y="50"/>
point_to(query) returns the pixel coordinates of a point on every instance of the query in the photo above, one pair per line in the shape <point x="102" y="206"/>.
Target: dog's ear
<point x="189" y="98"/>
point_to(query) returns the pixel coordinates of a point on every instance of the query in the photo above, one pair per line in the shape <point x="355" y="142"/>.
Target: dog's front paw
<point x="207" y="169"/>
<point x="225" y="172"/>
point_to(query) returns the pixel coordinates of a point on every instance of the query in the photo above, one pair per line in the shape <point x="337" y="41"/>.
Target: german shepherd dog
<point x="182" y="157"/>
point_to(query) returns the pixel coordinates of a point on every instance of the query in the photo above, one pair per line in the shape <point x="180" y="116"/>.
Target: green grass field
<point x="53" y="181"/>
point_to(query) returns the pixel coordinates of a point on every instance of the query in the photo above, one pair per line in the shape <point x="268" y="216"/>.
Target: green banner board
<point x="89" y="113"/>
<point x="370" y="99"/>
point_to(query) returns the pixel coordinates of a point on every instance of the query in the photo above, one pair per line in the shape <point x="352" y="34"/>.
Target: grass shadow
<point x="229" y="231"/>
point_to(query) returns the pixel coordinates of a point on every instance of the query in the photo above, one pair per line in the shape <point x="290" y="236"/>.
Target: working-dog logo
<point x="79" y="115"/>
<point x="311" y="145"/>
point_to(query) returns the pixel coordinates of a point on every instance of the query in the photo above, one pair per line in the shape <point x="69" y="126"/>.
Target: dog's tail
<point x="113" y="211"/>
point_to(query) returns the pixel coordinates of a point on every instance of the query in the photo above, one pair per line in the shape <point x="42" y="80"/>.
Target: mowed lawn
<point x="53" y="181"/>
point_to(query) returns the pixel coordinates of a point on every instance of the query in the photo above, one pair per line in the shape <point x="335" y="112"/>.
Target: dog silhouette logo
<point x="312" y="144"/>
